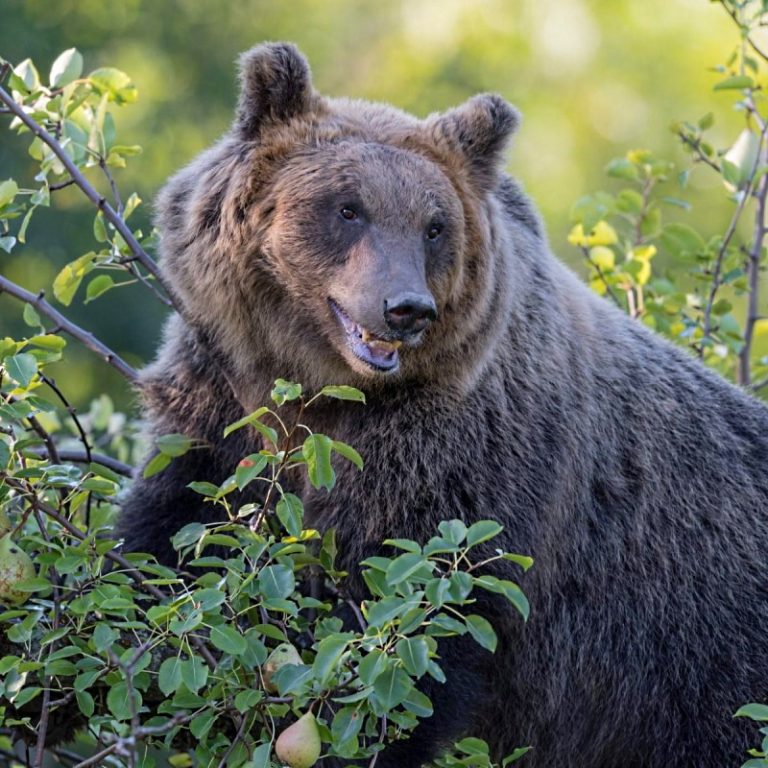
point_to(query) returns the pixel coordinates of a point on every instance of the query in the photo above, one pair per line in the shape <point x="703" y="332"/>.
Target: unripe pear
<point x="284" y="654"/>
<point x="15" y="566"/>
<point x="298" y="746"/>
<point x="743" y="154"/>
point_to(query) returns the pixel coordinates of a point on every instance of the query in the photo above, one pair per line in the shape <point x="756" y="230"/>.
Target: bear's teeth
<point x="384" y="346"/>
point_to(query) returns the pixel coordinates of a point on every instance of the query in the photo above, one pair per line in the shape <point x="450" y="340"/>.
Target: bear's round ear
<point x="275" y="85"/>
<point x="479" y="129"/>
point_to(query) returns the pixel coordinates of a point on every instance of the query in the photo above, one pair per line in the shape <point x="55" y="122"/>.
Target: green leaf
<point x="201" y="724"/>
<point x="67" y="67"/>
<point x="31" y="318"/>
<point x="348" y="452"/>
<point x="228" y="640"/>
<point x="735" y="82"/>
<point x="346" y="724"/>
<point x="69" y="278"/>
<point x="276" y="582"/>
<point x="169" y="675"/>
<point x="522" y="560"/>
<point x="156" y="464"/>
<point x="516" y="755"/>
<point x="7" y="243"/>
<point x="284" y="391"/>
<point x="173" y="445"/>
<point x="21" y="368"/>
<point x="249" y="468"/>
<point x="8" y="191"/>
<point x="384" y="610"/>
<point x="194" y="673"/>
<point x="261" y="757"/>
<point x="252" y="419"/>
<point x="453" y="531"/>
<point x="104" y="636"/>
<point x="481" y="631"/>
<point x="404" y="566"/>
<point x="482" y="531"/>
<point x="26" y="75"/>
<point x="414" y="653"/>
<point x="392" y="687"/>
<point x="190" y="534"/>
<point x="201" y="487"/>
<point x="85" y="703"/>
<point x="290" y="512"/>
<point x="119" y="702"/>
<point x="621" y="168"/>
<point x="114" y="84"/>
<point x="317" y="453"/>
<point x="509" y="589"/>
<point x="343" y="393"/>
<point x="757" y="712"/>
<point x="329" y="653"/>
<point x="99" y="285"/>
<point x="681" y="240"/>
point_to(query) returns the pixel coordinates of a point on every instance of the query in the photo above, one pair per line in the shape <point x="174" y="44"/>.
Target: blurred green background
<point x="593" y="79"/>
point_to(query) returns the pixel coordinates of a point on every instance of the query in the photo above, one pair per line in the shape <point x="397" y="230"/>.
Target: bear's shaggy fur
<point x="634" y="476"/>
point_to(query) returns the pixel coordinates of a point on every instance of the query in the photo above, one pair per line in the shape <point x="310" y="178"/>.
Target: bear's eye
<point x="434" y="232"/>
<point x="350" y="214"/>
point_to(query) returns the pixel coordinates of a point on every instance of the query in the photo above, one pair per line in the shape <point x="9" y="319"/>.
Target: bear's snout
<point x="409" y="313"/>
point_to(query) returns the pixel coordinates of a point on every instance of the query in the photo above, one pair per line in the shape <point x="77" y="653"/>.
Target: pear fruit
<point x="743" y="154"/>
<point x="284" y="654"/>
<point x="298" y="746"/>
<point x="15" y="566"/>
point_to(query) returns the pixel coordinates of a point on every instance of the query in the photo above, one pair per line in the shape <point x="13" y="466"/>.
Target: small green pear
<point x="298" y="746"/>
<point x="15" y="566"/>
<point x="284" y="654"/>
<point x="743" y="154"/>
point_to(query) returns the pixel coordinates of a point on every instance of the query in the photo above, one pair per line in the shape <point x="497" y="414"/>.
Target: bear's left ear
<point x="275" y="85"/>
<point x="479" y="129"/>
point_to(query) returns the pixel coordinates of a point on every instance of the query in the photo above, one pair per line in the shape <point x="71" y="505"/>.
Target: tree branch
<point x="91" y="193"/>
<point x="80" y="457"/>
<point x="75" y="331"/>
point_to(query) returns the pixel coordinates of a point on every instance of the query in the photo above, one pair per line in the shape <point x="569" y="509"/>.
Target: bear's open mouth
<point x="380" y="354"/>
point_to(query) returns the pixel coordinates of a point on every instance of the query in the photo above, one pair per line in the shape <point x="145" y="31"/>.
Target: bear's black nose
<point x="409" y="312"/>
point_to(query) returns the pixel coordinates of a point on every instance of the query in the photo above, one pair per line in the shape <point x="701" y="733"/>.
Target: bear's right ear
<point x="275" y="85"/>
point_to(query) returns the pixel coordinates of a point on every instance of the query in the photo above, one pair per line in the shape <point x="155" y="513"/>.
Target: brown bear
<point x="330" y="241"/>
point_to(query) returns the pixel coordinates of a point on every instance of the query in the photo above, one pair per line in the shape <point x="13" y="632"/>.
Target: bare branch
<point x="75" y="331"/>
<point x="91" y="193"/>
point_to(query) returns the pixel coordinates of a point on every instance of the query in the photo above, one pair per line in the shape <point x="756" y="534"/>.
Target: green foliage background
<point x="592" y="78"/>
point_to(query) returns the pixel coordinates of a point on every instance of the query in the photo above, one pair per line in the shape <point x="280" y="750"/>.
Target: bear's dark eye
<point x="350" y="214"/>
<point x="434" y="232"/>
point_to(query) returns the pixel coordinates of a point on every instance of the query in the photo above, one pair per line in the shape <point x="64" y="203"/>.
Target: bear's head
<point x="340" y="241"/>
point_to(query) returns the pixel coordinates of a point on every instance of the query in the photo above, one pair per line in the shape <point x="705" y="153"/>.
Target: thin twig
<point x="696" y="146"/>
<point x="91" y="193"/>
<point x="749" y="40"/>
<point x="75" y="331"/>
<point x="602" y="277"/>
<point x="753" y="280"/>
<point x="80" y="457"/>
